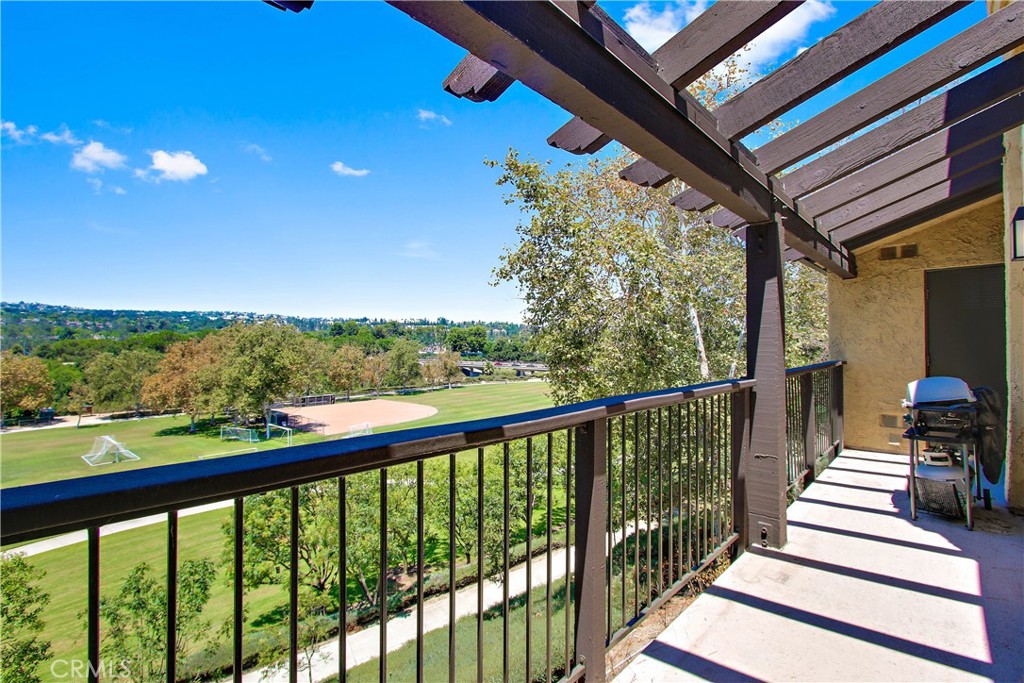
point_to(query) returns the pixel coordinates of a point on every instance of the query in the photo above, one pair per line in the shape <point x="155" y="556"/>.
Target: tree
<point x="267" y="524"/>
<point x="187" y="378"/>
<point x="25" y="385"/>
<point x="65" y="377"/>
<point x="346" y="371"/>
<point x="610" y="273"/>
<point x="403" y="362"/>
<point x="450" y="367"/>
<point x="263" y="363"/>
<point x="21" y="605"/>
<point x="456" y="340"/>
<point x="375" y="371"/>
<point x="433" y="372"/>
<point x="137" y="618"/>
<point x="116" y="381"/>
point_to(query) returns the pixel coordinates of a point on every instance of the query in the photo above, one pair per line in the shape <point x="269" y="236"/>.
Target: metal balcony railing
<point x="646" y="482"/>
<point x="814" y="420"/>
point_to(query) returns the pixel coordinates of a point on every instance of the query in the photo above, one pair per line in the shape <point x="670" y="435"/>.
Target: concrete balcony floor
<point x="859" y="593"/>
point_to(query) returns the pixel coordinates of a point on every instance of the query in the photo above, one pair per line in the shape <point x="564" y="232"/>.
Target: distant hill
<point x="29" y="325"/>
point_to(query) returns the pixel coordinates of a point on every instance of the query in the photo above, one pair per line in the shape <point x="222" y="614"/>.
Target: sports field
<point x="31" y="457"/>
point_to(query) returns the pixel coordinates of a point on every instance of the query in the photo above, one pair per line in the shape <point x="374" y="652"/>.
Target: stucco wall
<point x="876" y="320"/>
<point x="1013" y="197"/>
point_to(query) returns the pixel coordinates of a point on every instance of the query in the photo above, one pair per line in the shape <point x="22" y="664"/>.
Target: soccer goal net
<point x="278" y="430"/>
<point x="360" y="429"/>
<point x="107" y="450"/>
<point x="239" y="434"/>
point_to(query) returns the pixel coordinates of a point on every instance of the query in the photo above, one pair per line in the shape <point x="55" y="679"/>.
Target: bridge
<point x="472" y="368"/>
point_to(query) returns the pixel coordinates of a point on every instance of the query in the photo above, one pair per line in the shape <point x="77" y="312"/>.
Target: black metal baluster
<point x="713" y="454"/>
<point x="622" y="529"/>
<point x="480" y="564"/>
<point x="569" y="455"/>
<point x="342" y="580"/>
<point x="650" y="506"/>
<point x="172" y="596"/>
<point x="661" y="511"/>
<point x="550" y="580"/>
<point x="421" y="513"/>
<point x="529" y="559"/>
<point x="671" y="497"/>
<point x="636" y="514"/>
<point x="382" y="579"/>
<point x="504" y="584"/>
<point x="689" y="486"/>
<point x="611" y="527"/>
<point x="293" y="591"/>
<point x="237" y="588"/>
<point x="451" y="568"/>
<point x="93" y="674"/>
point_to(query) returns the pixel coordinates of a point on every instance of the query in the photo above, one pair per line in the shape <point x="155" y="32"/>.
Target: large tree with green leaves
<point x="25" y="385"/>
<point x="263" y="363"/>
<point x="403" y="363"/>
<point x="188" y="378"/>
<point x="21" y="605"/>
<point x="346" y="369"/>
<point x="116" y="382"/>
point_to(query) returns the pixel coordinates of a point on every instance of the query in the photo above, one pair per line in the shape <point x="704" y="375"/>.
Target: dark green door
<point x="966" y="325"/>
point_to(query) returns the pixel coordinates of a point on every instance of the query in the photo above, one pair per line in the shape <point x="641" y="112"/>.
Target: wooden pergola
<point x="943" y="154"/>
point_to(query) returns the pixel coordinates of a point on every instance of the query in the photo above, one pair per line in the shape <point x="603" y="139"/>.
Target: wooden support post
<point x="591" y="541"/>
<point x="810" y="425"/>
<point x="765" y="469"/>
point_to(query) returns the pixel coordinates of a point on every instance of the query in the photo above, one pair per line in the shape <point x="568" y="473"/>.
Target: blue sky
<point x="228" y="156"/>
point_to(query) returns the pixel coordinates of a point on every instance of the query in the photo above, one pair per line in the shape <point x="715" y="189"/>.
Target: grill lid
<point x="937" y="390"/>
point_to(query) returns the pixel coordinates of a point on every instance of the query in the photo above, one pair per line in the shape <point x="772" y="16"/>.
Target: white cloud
<point x="652" y="28"/>
<point x="253" y="148"/>
<point x="64" y="137"/>
<point x="418" y="249"/>
<point x="427" y="116"/>
<point x="95" y="157"/>
<point x="341" y="169"/>
<point x="177" y="166"/>
<point x="117" y="189"/>
<point x="100" y="123"/>
<point x="22" y="136"/>
<point x="786" y="34"/>
<point x="96" y="183"/>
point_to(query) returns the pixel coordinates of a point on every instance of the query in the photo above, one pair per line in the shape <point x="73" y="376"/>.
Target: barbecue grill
<point x="944" y="436"/>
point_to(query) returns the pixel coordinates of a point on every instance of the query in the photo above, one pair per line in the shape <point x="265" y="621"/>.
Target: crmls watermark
<point x="80" y="669"/>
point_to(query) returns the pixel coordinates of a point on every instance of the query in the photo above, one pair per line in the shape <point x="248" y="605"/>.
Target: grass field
<point x="45" y="455"/>
<point x="31" y="457"/>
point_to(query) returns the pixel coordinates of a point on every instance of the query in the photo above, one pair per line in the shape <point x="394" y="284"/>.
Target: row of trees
<point x="244" y="367"/>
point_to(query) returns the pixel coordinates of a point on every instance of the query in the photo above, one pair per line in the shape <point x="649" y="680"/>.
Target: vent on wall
<point x="897" y="251"/>
<point x="890" y="420"/>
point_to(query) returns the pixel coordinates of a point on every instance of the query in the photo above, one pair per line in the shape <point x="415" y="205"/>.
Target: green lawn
<point x="32" y="457"/>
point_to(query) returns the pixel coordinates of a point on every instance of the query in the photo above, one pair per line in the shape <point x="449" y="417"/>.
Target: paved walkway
<point x="860" y="593"/>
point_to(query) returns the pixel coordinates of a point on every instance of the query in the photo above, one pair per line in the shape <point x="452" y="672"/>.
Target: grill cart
<point x="944" y="440"/>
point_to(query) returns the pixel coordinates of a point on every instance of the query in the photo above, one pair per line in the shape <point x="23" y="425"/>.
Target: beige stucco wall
<point x="1013" y="197"/>
<point x="876" y="320"/>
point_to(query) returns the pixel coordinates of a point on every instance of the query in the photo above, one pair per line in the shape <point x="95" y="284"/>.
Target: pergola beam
<point x="865" y="38"/>
<point x="989" y="87"/>
<point x="476" y="80"/>
<point x="718" y="32"/>
<point x="978" y="180"/>
<point x="927" y="176"/>
<point x="961" y="54"/>
<point x="576" y="60"/>
<point x="987" y="126"/>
